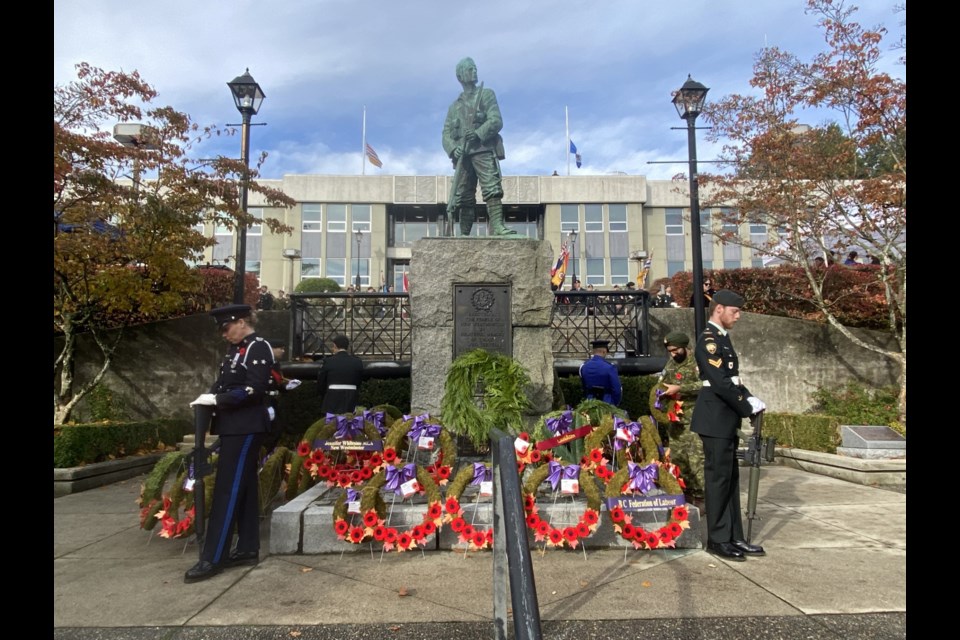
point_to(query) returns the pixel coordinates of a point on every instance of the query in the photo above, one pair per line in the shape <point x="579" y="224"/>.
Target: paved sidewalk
<point x="835" y="568"/>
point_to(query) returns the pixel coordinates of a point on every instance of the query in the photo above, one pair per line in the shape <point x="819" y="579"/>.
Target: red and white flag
<point x="373" y="157"/>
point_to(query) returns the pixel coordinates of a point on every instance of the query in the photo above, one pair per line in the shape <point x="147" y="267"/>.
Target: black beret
<point x="728" y="298"/>
<point x="600" y="344"/>
<point x="279" y="343"/>
<point x="677" y="339"/>
<point x="229" y="313"/>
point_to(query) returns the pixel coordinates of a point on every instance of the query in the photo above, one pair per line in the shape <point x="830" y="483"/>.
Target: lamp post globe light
<point x="248" y="96"/>
<point x="358" y="234"/>
<point x="689" y="103"/>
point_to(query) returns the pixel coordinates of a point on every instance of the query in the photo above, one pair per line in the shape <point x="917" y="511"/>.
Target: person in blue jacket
<point x="599" y="377"/>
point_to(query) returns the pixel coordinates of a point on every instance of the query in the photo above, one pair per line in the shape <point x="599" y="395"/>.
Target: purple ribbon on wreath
<point x="422" y="428"/>
<point x="396" y="476"/>
<point x="642" y="478"/>
<point x="631" y="427"/>
<point x="561" y="424"/>
<point x="347" y="428"/>
<point x="352" y="495"/>
<point x="558" y="471"/>
<point x="379" y="420"/>
<point x="657" y="404"/>
<point x="481" y="473"/>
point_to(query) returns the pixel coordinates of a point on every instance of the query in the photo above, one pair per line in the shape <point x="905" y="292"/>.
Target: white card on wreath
<point x="353" y="506"/>
<point x="569" y="486"/>
<point x="188" y="485"/>
<point x="425" y="443"/>
<point x="409" y="488"/>
<point x="625" y="435"/>
<point x="521" y="446"/>
<point x="486" y="488"/>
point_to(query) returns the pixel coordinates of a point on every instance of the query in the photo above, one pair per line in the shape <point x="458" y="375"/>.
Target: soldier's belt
<point x="734" y="379"/>
<point x="351" y="387"/>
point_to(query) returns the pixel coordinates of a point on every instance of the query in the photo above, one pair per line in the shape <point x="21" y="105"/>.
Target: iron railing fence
<point x="379" y="324"/>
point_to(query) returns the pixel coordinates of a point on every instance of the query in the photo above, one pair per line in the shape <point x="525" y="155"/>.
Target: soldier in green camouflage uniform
<point x="680" y="379"/>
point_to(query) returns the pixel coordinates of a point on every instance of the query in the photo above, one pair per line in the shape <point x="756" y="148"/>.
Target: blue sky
<point x="612" y="64"/>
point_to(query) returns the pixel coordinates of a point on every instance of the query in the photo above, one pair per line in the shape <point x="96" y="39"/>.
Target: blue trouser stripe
<point x="234" y="494"/>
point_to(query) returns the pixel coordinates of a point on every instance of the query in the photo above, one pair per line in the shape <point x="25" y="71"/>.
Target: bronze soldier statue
<point x="471" y="137"/>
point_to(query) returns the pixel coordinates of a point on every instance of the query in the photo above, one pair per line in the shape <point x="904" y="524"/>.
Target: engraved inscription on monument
<point x="481" y="319"/>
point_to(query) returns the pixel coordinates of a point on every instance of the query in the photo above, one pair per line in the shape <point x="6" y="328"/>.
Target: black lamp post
<point x="248" y="96"/>
<point x="573" y="256"/>
<point x="358" y="234"/>
<point x="689" y="102"/>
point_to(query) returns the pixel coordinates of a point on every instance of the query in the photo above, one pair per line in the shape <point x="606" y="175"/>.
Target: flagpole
<point x="566" y="113"/>
<point x="363" y="144"/>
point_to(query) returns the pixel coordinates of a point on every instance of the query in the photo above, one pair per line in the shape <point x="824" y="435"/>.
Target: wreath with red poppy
<point x="543" y="530"/>
<point x="174" y="509"/>
<point x="645" y="448"/>
<point x="475" y="538"/>
<point x="337" y="468"/>
<point x="665" y="408"/>
<point x="375" y="525"/>
<point x="663" y="538"/>
<point x="398" y="441"/>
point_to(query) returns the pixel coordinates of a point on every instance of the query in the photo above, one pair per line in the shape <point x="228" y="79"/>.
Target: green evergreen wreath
<point x="501" y="380"/>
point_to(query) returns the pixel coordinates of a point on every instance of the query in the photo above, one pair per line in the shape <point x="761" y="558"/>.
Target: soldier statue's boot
<point x="467" y="216"/>
<point x="495" y="213"/>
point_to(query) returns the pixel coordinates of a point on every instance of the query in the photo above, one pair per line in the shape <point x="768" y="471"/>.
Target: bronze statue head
<point x="467" y="70"/>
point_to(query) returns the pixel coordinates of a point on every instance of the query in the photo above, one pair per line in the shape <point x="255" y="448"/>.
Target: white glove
<point x="757" y="404"/>
<point x="205" y="399"/>
<point x="292" y="384"/>
<point x="271" y="413"/>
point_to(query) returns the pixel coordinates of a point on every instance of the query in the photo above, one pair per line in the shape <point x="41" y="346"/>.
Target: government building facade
<point x="350" y="226"/>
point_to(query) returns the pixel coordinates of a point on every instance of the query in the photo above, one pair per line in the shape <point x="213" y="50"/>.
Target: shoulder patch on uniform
<point x="715" y="362"/>
<point x="711" y="348"/>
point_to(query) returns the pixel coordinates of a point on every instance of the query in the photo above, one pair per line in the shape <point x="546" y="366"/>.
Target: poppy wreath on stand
<point x="542" y="529"/>
<point x="175" y="510"/>
<point x="642" y="479"/>
<point x="371" y="517"/>
<point x="422" y="430"/>
<point x="396" y="478"/>
<point x="665" y="408"/>
<point x="474" y="537"/>
<point x="633" y="441"/>
<point x="343" y="468"/>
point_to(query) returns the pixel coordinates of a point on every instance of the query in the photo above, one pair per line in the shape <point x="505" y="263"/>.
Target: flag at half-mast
<point x="373" y="157"/>
<point x="644" y="270"/>
<point x="559" y="272"/>
<point x="406" y="282"/>
<point x="573" y="150"/>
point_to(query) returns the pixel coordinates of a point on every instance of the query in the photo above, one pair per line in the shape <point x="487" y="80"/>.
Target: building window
<point x="731" y="248"/>
<point x="336" y="218"/>
<point x="618" y="217"/>
<point x="309" y="268"/>
<point x="706" y="238"/>
<point x="595" y="275"/>
<point x="619" y="270"/>
<point x="411" y="224"/>
<point x="312" y="218"/>
<point x="525" y="223"/>
<point x="674" y="222"/>
<point x="569" y="218"/>
<point x="593" y="218"/>
<point x="758" y="238"/>
<point x="336" y="270"/>
<point x="676" y="245"/>
<point x="255" y="228"/>
<point x="360" y="217"/>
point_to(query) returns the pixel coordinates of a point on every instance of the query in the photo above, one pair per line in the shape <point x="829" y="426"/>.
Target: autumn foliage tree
<point x="825" y="189"/>
<point x="122" y="245"/>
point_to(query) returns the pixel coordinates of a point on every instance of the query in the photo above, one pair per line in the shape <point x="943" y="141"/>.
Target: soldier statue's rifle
<point x="452" y="201"/>
<point x="757" y="451"/>
<point x="202" y="415"/>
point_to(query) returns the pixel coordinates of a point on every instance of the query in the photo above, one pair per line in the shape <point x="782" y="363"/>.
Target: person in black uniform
<point x="599" y="377"/>
<point x="277" y="385"/>
<point x="722" y="404"/>
<point x="339" y="378"/>
<point x="241" y="420"/>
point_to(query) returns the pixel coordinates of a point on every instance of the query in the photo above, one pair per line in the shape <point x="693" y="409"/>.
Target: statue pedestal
<point x="459" y="284"/>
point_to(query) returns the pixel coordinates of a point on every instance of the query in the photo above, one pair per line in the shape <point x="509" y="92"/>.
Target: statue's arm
<point x="451" y="134"/>
<point x="493" y="122"/>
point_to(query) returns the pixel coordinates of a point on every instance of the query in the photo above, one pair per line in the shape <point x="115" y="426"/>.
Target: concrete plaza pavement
<point x="835" y="568"/>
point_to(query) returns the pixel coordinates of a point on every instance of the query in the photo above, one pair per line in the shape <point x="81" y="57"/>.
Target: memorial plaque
<point x="871" y="437"/>
<point x="481" y="319"/>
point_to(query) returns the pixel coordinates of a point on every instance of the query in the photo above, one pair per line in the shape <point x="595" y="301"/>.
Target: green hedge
<point x="635" y="400"/>
<point x="811" y="432"/>
<point x="79" y="444"/>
